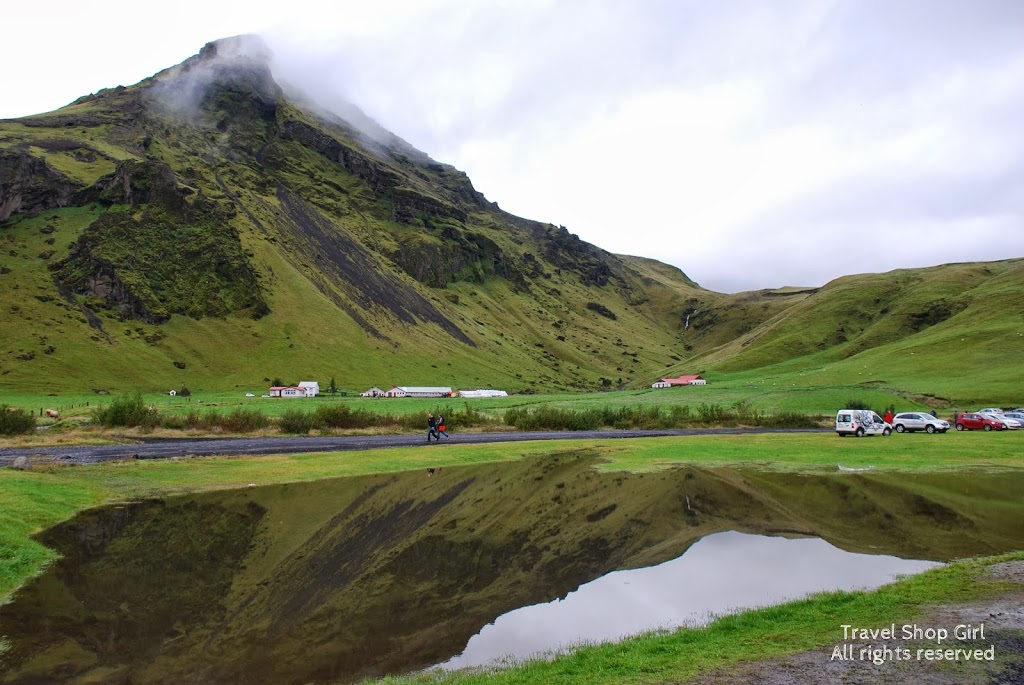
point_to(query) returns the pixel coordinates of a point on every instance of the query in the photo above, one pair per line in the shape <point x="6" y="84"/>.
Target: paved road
<point x="161" y="448"/>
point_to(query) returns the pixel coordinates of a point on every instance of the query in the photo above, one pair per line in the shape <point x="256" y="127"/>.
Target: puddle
<point x="722" y="573"/>
<point x="336" y="581"/>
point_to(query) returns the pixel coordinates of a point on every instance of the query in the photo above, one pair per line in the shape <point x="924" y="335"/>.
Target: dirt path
<point x="1003" y="620"/>
<point x="165" y="448"/>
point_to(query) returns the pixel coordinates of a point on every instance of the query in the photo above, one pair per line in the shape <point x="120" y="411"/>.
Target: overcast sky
<point x="753" y="144"/>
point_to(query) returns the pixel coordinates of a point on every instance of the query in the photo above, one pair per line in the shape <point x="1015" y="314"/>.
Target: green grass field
<point x="809" y="400"/>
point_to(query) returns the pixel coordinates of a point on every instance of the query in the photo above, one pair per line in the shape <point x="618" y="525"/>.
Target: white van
<point x="860" y="422"/>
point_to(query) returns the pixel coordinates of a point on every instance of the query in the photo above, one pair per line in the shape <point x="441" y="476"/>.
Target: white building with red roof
<point x="680" y="380"/>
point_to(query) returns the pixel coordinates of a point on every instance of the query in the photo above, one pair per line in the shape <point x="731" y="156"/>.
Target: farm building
<point x="681" y="380"/>
<point x="372" y="392"/>
<point x="418" y="391"/>
<point x="288" y="391"/>
<point x="312" y="388"/>
<point x="482" y="393"/>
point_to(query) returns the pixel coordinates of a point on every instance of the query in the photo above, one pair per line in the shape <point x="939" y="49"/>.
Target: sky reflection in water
<point x="721" y="573"/>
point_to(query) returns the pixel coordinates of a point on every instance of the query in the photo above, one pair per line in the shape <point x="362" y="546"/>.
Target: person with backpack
<point x="432" y="428"/>
<point x="441" y="428"/>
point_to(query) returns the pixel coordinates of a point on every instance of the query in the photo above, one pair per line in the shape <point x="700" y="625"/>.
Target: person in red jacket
<point x="888" y="416"/>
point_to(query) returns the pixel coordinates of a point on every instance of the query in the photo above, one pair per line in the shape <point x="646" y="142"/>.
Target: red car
<point x="978" y="421"/>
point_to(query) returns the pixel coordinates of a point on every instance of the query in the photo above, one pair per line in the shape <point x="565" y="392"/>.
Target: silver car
<point x="998" y="415"/>
<point x="909" y="421"/>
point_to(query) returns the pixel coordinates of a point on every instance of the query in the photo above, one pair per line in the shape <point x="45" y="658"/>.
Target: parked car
<point x="998" y="415"/>
<point x="972" y="422"/>
<point x="909" y="421"/>
<point x="860" y="422"/>
<point x="1015" y="414"/>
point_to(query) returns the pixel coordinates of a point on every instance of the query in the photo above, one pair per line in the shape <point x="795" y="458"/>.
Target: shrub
<point x="650" y="417"/>
<point x="172" y="422"/>
<point x="857" y="404"/>
<point x="242" y="420"/>
<point x="340" y="416"/>
<point x="15" y="421"/>
<point x="296" y="421"/>
<point x="126" y="411"/>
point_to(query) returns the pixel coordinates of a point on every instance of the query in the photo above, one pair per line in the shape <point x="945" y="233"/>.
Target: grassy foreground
<point x="33" y="500"/>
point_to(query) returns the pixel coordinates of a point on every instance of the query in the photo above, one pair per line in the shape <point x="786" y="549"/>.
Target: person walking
<point x="441" y="428"/>
<point x="432" y="427"/>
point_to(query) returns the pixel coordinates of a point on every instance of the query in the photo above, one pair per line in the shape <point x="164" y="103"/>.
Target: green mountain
<point x="205" y="227"/>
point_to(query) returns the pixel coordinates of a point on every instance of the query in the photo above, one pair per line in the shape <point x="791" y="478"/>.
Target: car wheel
<point x="859" y="433"/>
<point x="930" y="429"/>
<point x="886" y="432"/>
<point x="959" y="426"/>
<point x="988" y="427"/>
<point x="900" y="428"/>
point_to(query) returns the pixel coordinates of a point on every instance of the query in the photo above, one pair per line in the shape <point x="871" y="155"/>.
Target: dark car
<point x="973" y="422"/>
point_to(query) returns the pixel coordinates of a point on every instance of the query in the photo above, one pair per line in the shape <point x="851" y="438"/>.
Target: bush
<point x="242" y="420"/>
<point x="296" y="421"/>
<point x="651" y="417"/>
<point x="15" y="421"/>
<point x="126" y="411"/>
<point x="341" y="416"/>
<point x="857" y="404"/>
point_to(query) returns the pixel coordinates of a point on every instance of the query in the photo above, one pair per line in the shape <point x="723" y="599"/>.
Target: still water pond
<point x="721" y="573"/>
<point x="338" y="580"/>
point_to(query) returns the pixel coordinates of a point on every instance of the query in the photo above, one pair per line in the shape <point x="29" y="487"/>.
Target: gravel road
<point x="162" y="448"/>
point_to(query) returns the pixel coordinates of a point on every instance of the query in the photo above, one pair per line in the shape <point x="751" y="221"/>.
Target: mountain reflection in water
<point x="721" y="573"/>
<point x="339" y="580"/>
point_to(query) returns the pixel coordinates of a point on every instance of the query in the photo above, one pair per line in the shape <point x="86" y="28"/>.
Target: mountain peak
<point x="239" y="63"/>
<point x="244" y="47"/>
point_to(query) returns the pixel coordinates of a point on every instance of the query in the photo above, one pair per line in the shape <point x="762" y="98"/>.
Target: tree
<point x="332" y="387"/>
<point x="277" y="382"/>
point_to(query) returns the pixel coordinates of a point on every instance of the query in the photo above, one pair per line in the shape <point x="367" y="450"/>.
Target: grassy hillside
<point x="200" y="228"/>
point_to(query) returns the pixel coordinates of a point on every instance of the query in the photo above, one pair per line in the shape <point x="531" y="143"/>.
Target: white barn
<point x="372" y="392"/>
<point x="312" y="388"/>
<point x="482" y="393"/>
<point x="418" y="391"/>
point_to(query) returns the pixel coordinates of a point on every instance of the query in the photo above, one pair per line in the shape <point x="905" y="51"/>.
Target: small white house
<point x="287" y="391"/>
<point x="681" y="380"/>
<point x="312" y="388"/>
<point x="372" y="392"/>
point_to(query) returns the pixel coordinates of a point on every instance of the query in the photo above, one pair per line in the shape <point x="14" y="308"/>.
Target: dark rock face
<point x="175" y="256"/>
<point x="346" y="263"/>
<point x="29" y="185"/>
